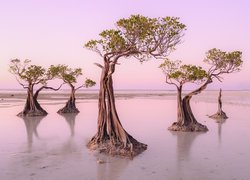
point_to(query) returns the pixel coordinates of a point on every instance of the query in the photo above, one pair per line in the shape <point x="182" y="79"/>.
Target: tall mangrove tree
<point x="137" y="37"/>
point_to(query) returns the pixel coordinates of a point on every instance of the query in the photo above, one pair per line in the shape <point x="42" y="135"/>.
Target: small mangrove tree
<point x="31" y="76"/>
<point x="220" y="63"/>
<point x="69" y="76"/>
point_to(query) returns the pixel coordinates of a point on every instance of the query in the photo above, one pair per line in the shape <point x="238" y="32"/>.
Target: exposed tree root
<point x="70" y="106"/>
<point x="111" y="138"/>
<point x="192" y="127"/>
<point x="68" y="110"/>
<point x="32" y="113"/>
<point x="117" y="149"/>
<point x="219" y="115"/>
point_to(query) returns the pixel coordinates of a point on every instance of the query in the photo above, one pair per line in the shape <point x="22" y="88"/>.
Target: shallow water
<point x="54" y="147"/>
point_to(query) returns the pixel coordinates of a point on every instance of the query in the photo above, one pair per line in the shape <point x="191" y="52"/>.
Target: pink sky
<point x="53" y="32"/>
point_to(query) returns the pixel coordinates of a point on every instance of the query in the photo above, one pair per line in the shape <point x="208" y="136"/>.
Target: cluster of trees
<point x="178" y="74"/>
<point x="35" y="78"/>
<point x="141" y="38"/>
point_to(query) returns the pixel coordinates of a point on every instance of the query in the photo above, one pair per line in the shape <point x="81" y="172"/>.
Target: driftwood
<point x="220" y="114"/>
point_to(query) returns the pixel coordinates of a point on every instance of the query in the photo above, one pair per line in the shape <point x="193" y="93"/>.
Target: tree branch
<point x="47" y="87"/>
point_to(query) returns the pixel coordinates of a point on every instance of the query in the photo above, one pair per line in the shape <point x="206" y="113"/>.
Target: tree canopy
<point x="69" y="75"/>
<point x="179" y="74"/>
<point x="220" y="62"/>
<point x="28" y="74"/>
<point x="140" y="37"/>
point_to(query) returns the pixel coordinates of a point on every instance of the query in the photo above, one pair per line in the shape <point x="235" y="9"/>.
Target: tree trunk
<point x="70" y="106"/>
<point x="220" y="115"/>
<point x="190" y="123"/>
<point x="32" y="107"/>
<point x="180" y="111"/>
<point x="111" y="137"/>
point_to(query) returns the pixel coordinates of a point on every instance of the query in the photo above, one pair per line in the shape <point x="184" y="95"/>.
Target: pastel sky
<point x="54" y="32"/>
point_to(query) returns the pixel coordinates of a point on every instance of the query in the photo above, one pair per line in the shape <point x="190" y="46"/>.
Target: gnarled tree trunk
<point x="219" y="115"/>
<point x="188" y="122"/>
<point x="180" y="110"/>
<point x="70" y="106"/>
<point x="32" y="107"/>
<point x="111" y="137"/>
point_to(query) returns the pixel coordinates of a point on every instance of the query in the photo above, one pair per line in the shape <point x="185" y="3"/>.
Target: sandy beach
<point x="54" y="146"/>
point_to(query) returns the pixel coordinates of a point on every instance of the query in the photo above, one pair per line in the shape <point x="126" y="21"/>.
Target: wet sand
<point x="54" y="147"/>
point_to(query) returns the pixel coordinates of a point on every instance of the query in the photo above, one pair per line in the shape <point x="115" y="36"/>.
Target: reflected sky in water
<point x="54" y="146"/>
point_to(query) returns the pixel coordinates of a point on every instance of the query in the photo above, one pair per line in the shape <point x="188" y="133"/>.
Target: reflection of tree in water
<point x="184" y="144"/>
<point x="109" y="168"/>
<point x="70" y="118"/>
<point x="31" y="124"/>
<point x="69" y="145"/>
<point x="49" y="154"/>
<point x="220" y="122"/>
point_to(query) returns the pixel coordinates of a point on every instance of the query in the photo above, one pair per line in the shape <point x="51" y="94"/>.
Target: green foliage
<point x="137" y="28"/>
<point x="65" y="73"/>
<point x="53" y="71"/>
<point x="223" y="62"/>
<point x="89" y="83"/>
<point x="182" y="73"/>
<point x="112" y="40"/>
<point x="32" y="74"/>
<point x="69" y="75"/>
<point x="139" y="36"/>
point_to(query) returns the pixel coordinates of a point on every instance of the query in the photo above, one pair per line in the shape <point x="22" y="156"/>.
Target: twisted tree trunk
<point x="111" y="137"/>
<point x="219" y="115"/>
<point x="32" y="107"/>
<point x="70" y="106"/>
<point x="189" y="122"/>
<point x="180" y="110"/>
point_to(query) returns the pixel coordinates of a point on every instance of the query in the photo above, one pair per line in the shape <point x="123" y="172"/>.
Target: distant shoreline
<point x="64" y="95"/>
<point x="228" y="97"/>
<point x="119" y="90"/>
